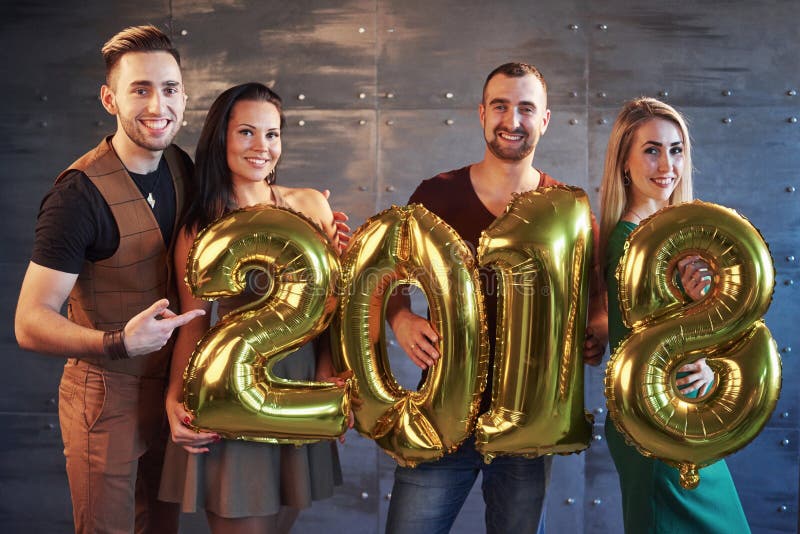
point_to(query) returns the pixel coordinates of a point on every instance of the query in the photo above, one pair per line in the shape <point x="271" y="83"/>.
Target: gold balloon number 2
<point x="229" y="384"/>
<point x="726" y="327"/>
<point x="541" y="248"/>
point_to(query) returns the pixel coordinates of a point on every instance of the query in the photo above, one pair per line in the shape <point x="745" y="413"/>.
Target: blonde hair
<point x="613" y="193"/>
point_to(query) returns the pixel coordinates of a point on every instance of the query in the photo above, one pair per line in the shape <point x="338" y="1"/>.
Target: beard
<point x="139" y="135"/>
<point x="509" y="153"/>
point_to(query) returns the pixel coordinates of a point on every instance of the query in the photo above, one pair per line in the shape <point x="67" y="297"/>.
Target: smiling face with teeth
<point x="146" y="95"/>
<point x="514" y="116"/>
<point x="253" y="141"/>
<point x="654" y="164"/>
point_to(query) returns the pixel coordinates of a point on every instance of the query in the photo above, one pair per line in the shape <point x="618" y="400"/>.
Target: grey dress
<point x="241" y="478"/>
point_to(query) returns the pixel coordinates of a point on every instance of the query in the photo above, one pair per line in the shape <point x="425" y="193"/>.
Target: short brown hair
<point x="515" y="70"/>
<point x="146" y="38"/>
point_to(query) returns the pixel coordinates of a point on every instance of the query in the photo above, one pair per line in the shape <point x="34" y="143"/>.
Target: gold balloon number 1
<point x="668" y="331"/>
<point x="541" y="248"/>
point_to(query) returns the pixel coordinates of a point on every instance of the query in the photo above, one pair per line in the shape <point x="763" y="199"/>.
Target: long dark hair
<point x="212" y="190"/>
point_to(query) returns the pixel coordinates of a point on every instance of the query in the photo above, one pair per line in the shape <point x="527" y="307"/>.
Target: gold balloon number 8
<point x="229" y="384"/>
<point x="725" y="326"/>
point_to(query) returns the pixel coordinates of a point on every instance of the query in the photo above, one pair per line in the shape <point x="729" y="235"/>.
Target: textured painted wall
<point x="381" y="94"/>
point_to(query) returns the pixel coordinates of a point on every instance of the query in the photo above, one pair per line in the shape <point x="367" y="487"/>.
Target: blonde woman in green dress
<point x="648" y="166"/>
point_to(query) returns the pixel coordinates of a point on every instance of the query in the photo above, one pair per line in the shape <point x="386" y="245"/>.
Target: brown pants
<point x="114" y="430"/>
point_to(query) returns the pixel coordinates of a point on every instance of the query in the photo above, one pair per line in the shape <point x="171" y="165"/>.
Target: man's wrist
<point x="114" y="345"/>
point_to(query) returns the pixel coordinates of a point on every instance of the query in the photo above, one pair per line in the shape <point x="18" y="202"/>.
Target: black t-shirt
<point x="75" y="223"/>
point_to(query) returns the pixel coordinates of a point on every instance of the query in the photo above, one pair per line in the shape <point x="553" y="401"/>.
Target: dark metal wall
<point x="381" y="94"/>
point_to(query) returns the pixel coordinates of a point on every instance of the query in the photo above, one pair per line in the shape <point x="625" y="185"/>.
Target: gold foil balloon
<point x="669" y="331"/>
<point x="410" y="245"/>
<point x="541" y="249"/>
<point x="229" y="385"/>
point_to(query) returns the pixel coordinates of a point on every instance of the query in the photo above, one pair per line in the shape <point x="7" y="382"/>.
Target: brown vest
<point x="111" y="291"/>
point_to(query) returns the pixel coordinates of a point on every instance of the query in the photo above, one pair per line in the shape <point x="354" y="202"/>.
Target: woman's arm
<point x="188" y="336"/>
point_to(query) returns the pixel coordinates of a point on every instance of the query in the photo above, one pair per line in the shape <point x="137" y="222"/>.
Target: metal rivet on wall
<point x="791" y="120"/>
<point x="790" y="189"/>
<point x="449" y="122"/>
<point x="788" y="282"/>
<point x="599" y="410"/>
<point x="785" y="415"/>
<point x="663" y="93"/>
<point x="301" y="122"/>
<point x="602" y="94"/>
<point x="389" y="95"/>
<point x="363" y="188"/>
<point x="449" y="95"/>
<point x="783" y="508"/>
<point x="787" y="349"/>
<point x="597" y="437"/>
<point x="791" y="92"/>
<point x="184" y="32"/>
<point x="43" y="124"/>
<point x="602" y="121"/>
<point x="362" y="96"/>
<point x="570" y="500"/>
<point x="184" y="123"/>
<point x="301" y="96"/>
<point x="390" y="30"/>
<point x="362" y="122"/>
<point x="573" y="94"/>
<point x="364" y="495"/>
<point x="51" y="400"/>
<point x="727" y="92"/>
<point x="50" y="426"/>
<point x="727" y="120"/>
<point x="597" y="502"/>
<point x="785" y="442"/>
<point x="362" y="30"/>
<point x="43" y="98"/>
<point x="573" y="122"/>
<point x="388" y="496"/>
<point x="789" y="258"/>
<point x="390" y="122"/>
<point x="602" y="27"/>
<point x="573" y="27"/>
<point x="390" y="189"/>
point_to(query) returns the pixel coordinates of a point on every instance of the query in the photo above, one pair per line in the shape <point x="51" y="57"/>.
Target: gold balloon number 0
<point x="541" y="248"/>
<point x="229" y="384"/>
<point x="668" y="331"/>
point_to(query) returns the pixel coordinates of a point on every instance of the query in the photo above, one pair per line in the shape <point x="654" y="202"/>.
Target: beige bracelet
<point x="114" y="345"/>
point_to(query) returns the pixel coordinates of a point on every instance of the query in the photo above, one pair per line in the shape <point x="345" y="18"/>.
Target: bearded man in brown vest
<point x="103" y="240"/>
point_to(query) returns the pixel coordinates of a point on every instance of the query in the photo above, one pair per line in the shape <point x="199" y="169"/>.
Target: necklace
<point x="150" y="198"/>
<point x="629" y="210"/>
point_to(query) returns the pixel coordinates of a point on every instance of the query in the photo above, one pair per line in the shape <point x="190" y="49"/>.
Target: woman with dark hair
<point x="243" y="486"/>
<point x="648" y="166"/>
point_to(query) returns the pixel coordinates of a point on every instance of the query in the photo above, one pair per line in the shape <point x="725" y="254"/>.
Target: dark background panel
<point x="317" y="54"/>
<point x="765" y="474"/>
<point x="52" y="49"/>
<point x="429" y="51"/>
<point x="34" y="496"/>
<point x="715" y="53"/>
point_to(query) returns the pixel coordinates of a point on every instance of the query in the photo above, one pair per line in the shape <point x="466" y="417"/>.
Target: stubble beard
<point x="133" y="130"/>
<point x="511" y="154"/>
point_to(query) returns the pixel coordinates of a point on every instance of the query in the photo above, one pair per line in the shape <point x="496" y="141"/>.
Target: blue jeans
<point x="427" y="498"/>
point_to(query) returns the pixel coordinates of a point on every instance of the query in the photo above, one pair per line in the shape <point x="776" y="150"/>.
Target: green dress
<point x="653" y="500"/>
